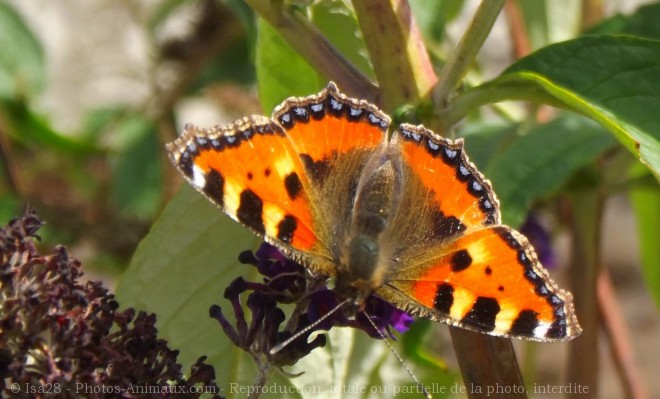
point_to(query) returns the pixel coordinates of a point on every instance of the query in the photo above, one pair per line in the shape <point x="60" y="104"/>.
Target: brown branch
<point x="487" y="363"/>
<point x="619" y="339"/>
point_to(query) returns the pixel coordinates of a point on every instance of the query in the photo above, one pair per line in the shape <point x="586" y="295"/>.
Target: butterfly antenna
<point x="405" y="366"/>
<point x="297" y="335"/>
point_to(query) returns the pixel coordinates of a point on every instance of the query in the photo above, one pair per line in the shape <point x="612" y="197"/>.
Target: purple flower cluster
<point x="540" y="239"/>
<point x="287" y="282"/>
<point x="59" y="338"/>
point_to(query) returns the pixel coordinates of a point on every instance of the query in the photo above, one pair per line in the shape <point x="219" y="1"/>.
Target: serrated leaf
<point x="539" y="163"/>
<point x="614" y="80"/>
<point x="281" y="71"/>
<point x="22" y="68"/>
<point x="646" y="204"/>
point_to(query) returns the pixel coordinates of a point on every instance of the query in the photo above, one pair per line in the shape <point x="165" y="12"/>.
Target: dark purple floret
<point x="58" y="330"/>
<point x="285" y="281"/>
<point x="540" y="239"/>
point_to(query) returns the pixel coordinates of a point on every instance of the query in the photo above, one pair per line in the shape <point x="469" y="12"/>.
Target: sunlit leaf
<point x="613" y="80"/>
<point x="180" y="269"/>
<point x="337" y="22"/>
<point x="281" y="71"/>
<point x="483" y="140"/>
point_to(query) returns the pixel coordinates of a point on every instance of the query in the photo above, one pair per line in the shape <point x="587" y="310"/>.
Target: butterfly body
<point x="404" y="216"/>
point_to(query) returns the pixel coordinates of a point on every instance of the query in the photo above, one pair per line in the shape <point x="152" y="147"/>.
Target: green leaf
<point x="281" y="71"/>
<point x="337" y="22"/>
<point x="27" y="126"/>
<point x="483" y="140"/>
<point x="550" y="21"/>
<point x="433" y="16"/>
<point x="22" y="68"/>
<point x="10" y="207"/>
<point x="646" y="204"/>
<point x="614" y="80"/>
<point x="137" y="168"/>
<point x="643" y="23"/>
<point x="541" y="162"/>
<point x="180" y="269"/>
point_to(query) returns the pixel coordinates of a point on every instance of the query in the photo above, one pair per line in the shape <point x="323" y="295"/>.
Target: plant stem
<point x="466" y="50"/>
<point x="396" y="49"/>
<point x="303" y="36"/>
<point x="260" y="381"/>
<point x="487" y="93"/>
<point x="586" y="206"/>
<point x="487" y="362"/>
<point x="619" y="339"/>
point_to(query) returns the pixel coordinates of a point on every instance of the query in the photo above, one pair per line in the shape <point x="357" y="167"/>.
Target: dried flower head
<point x="59" y="338"/>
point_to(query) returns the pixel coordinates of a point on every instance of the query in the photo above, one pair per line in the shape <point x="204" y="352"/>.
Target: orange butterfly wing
<point x="287" y="177"/>
<point x="471" y="272"/>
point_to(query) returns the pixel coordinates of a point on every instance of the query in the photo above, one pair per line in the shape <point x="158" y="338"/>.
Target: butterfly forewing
<point x="251" y="171"/>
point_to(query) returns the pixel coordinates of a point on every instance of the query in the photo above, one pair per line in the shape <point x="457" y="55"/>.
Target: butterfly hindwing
<point x="490" y="281"/>
<point x="461" y="266"/>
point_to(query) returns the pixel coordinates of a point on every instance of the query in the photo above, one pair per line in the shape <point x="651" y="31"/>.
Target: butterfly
<point x="404" y="216"/>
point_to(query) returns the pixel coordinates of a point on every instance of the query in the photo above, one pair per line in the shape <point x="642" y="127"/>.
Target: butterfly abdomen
<point x="374" y="205"/>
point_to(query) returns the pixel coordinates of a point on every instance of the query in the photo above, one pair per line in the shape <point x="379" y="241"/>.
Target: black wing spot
<point x="286" y="228"/>
<point x="293" y="185"/>
<point x="444" y="298"/>
<point x="460" y="260"/>
<point x="525" y="323"/>
<point x="214" y="185"/>
<point x="483" y="313"/>
<point x="250" y="210"/>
